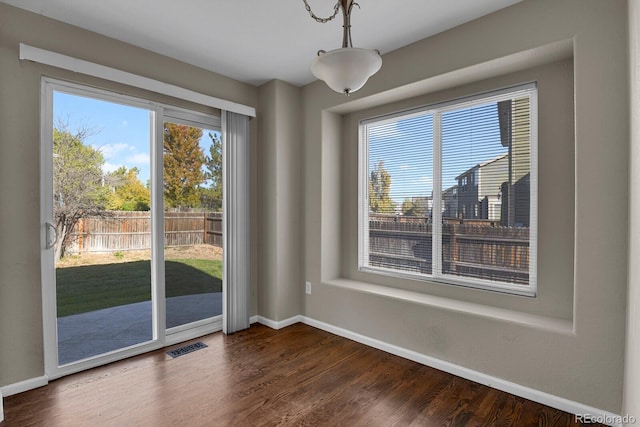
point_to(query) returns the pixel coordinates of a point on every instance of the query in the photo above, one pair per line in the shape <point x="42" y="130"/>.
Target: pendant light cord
<point x="336" y="9"/>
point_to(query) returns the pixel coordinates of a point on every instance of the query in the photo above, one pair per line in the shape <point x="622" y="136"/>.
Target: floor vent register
<point x="186" y="349"/>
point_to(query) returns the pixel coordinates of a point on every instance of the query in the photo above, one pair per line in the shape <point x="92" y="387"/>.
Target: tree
<point x="77" y="182"/>
<point x="379" y="187"/>
<point x="408" y="207"/>
<point x="183" y="160"/>
<point x="415" y="206"/>
<point x="212" y="195"/>
<point x="128" y="194"/>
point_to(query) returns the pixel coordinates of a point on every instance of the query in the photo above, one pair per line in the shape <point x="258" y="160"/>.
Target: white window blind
<point x="448" y="192"/>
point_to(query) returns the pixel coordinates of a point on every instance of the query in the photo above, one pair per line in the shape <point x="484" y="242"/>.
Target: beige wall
<point x="21" y="348"/>
<point x="572" y="346"/>
<point x="279" y="189"/>
<point x="632" y="367"/>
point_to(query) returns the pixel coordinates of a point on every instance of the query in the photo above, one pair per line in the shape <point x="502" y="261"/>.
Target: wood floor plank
<point x="296" y="376"/>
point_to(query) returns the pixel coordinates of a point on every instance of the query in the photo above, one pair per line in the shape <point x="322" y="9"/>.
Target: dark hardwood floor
<point x="262" y="377"/>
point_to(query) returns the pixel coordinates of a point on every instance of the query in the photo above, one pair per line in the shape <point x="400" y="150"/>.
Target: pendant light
<point x="347" y="69"/>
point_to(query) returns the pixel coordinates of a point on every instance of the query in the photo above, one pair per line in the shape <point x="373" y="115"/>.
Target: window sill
<point x="562" y="326"/>
<point x="455" y="281"/>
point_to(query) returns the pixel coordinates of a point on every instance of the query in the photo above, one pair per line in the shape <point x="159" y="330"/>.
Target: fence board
<point x="479" y="249"/>
<point x="124" y="231"/>
<point x="213" y="227"/>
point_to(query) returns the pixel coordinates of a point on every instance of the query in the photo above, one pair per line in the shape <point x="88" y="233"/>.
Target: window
<point x="448" y="192"/>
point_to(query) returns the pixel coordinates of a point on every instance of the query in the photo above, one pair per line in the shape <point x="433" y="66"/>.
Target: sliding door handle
<point x="51" y="235"/>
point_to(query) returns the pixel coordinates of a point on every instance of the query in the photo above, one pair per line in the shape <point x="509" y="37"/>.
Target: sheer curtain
<point x="235" y="134"/>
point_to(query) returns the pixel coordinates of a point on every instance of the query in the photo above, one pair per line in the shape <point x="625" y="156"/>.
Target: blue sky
<point x="469" y="136"/>
<point x="120" y="132"/>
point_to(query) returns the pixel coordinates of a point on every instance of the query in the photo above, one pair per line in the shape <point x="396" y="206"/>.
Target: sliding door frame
<point x="160" y="337"/>
<point x="209" y="325"/>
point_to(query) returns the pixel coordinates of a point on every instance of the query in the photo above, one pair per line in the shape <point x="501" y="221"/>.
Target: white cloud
<point x="121" y="154"/>
<point x="422" y="180"/>
<point x="109" y="151"/>
<point x="125" y="123"/>
<point x="138" y="158"/>
<point x="109" y="167"/>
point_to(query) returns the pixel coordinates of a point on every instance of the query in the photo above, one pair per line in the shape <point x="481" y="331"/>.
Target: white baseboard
<point x="460" y="371"/>
<point x="281" y="324"/>
<point x="26" y="385"/>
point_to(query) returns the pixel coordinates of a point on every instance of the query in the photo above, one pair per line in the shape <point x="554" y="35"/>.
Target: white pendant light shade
<point x="347" y="69"/>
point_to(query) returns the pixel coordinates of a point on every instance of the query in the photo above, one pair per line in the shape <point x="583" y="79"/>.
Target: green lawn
<point x="94" y="287"/>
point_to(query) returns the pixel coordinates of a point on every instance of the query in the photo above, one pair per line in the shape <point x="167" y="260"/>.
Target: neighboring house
<point x="515" y="132"/>
<point x="450" y="202"/>
<point x="499" y="189"/>
<point x="479" y="189"/>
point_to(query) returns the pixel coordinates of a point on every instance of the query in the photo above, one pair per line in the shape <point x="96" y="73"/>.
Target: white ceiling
<point x="255" y="41"/>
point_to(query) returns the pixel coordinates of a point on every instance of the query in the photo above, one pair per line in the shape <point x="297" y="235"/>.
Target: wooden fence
<point x="479" y="249"/>
<point x="125" y="231"/>
<point x="213" y="229"/>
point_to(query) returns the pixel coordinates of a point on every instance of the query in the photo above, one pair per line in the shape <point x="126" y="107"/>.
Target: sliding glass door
<point x="192" y="185"/>
<point x="102" y="221"/>
<point x="132" y="237"/>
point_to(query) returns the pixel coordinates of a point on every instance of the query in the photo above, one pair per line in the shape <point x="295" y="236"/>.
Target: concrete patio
<point x="96" y="332"/>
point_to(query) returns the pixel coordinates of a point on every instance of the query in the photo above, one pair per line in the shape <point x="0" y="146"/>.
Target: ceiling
<point x="255" y="41"/>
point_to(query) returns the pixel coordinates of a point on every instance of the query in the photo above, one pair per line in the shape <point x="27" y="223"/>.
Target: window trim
<point x="437" y="109"/>
<point x="76" y="65"/>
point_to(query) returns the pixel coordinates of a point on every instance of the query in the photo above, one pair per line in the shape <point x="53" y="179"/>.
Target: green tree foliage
<point x="212" y="195"/>
<point x="407" y="207"/>
<point x="128" y="193"/>
<point x="415" y="206"/>
<point x="77" y="183"/>
<point x="379" y="187"/>
<point x="183" y="160"/>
